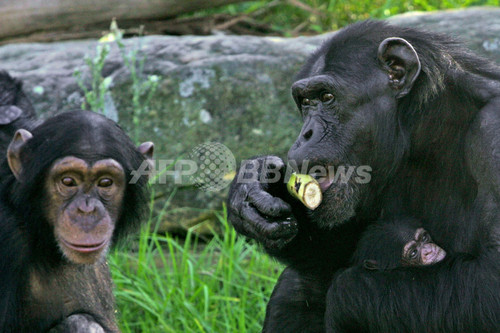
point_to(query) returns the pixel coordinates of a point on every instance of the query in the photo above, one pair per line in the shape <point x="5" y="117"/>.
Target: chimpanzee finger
<point x="267" y="204"/>
<point x="265" y="230"/>
<point x="265" y="170"/>
<point x="273" y="164"/>
<point x="237" y="195"/>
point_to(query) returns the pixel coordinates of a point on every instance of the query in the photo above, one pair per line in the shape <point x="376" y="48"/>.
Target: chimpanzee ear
<point x="147" y="150"/>
<point x="400" y="60"/>
<point x="370" y="265"/>
<point x="13" y="152"/>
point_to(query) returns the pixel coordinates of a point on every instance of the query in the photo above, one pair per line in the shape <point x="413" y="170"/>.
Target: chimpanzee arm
<point x="483" y="153"/>
<point x="458" y="295"/>
<point x="483" y="138"/>
<point x="297" y="303"/>
<point x="484" y="147"/>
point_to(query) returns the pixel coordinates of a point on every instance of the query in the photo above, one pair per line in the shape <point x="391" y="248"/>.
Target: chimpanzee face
<point x="349" y="112"/>
<point x="74" y="171"/>
<point x="421" y="251"/>
<point x="84" y="203"/>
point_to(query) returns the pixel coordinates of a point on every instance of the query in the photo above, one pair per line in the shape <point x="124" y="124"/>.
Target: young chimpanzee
<point x="395" y="243"/>
<point x="65" y="197"/>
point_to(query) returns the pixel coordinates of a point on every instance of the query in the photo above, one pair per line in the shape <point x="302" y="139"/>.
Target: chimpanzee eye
<point x="68" y="181"/>
<point x="414" y="254"/>
<point x="425" y="238"/>
<point x="105" y="182"/>
<point x="326" y="97"/>
<point x="306" y="101"/>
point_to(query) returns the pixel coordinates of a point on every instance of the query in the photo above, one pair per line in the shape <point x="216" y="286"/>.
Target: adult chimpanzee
<point x="65" y="197"/>
<point x="396" y="243"/>
<point x="425" y="114"/>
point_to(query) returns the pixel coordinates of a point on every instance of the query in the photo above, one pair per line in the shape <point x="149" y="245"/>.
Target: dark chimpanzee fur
<point x="52" y="277"/>
<point x="424" y="114"/>
<point x="16" y="110"/>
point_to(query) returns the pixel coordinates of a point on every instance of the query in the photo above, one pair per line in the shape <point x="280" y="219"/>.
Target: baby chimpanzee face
<point x="421" y="251"/>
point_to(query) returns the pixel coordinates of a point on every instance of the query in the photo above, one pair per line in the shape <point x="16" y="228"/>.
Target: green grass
<point x="293" y="17"/>
<point x="170" y="285"/>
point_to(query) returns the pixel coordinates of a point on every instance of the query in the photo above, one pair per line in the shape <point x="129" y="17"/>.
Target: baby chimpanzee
<point x="394" y="243"/>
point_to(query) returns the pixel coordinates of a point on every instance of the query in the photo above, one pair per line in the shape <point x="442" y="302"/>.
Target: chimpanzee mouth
<point x="325" y="182"/>
<point x="341" y="194"/>
<point x="440" y="255"/>
<point x="338" y="174"/>
<point x="84" y="248"/>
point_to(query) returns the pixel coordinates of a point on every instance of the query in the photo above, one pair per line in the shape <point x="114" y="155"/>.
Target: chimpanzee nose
<point x="302" y="148"/>
<point x="308" y="130"/>
<point x="427" y="251"/>
<point x="86" y="206"/>
<point x="307" y="135"/>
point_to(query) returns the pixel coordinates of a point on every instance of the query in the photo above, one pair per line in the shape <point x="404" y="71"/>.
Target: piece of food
<point x="306" y="189"/>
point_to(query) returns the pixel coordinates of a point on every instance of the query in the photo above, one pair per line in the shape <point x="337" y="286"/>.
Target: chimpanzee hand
<point x="255" y="208"/>
<point x="78" y="323"/>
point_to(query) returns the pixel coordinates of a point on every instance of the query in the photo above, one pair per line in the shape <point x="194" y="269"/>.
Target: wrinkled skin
<point x="424" y="115"/>
<point x="92" y="196"/>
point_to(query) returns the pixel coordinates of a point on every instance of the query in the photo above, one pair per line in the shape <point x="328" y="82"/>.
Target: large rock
<point x="478" y="28"/>
<point x="229" y="89"/>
